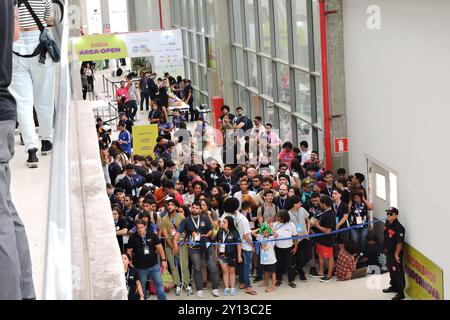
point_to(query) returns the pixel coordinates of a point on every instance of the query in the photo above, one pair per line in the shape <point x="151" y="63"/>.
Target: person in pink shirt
<point x="122" y="97"/>
<point x="269" y="139"/>
<point x="287" y="154"/>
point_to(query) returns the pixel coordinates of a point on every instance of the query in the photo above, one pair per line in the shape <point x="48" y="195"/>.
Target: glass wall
<point x="196" y="20"/>
<point x="277" y="65"/>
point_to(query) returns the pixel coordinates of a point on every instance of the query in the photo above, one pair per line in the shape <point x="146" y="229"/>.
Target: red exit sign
<point x="341" y="145"/>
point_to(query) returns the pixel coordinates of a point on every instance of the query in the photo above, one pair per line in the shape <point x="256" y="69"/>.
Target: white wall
<point x="398" y="85"/>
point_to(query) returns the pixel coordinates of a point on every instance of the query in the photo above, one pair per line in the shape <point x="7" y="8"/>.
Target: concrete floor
<point x="29" y="188"/>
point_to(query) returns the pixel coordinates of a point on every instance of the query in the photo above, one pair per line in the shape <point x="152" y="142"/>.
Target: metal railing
<point x="58" y="257"/>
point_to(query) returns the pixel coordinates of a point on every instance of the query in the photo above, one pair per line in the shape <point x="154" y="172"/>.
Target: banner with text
<point x="424" y="279"/>
<point x="144" y="139"/>
<point x="166" y="47"/>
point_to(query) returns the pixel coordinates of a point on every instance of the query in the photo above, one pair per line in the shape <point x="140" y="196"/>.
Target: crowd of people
<point x="232" y="223"/>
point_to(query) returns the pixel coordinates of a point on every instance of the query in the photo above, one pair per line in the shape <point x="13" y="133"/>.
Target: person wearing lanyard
<point x="267" y="211"/>
<point x="121" y="227"/>
<point x="227" y="177"/>
<point x="170" y="225"/>
<point x="359" y="217"/>
<point x="281" y="200"/>
<point x="341" y="210"/>
<point x="329" y="184"/>
<point x="198" y="231"/>
<point x="285" y="249"/>
<point x="134" y="287"/>
<point x="300" y="217"/>
<point x="229" y="254"/>
<point x="145" y="247"/>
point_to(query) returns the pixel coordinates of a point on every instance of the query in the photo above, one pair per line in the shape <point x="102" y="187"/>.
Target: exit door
<point x="382" y="193"/>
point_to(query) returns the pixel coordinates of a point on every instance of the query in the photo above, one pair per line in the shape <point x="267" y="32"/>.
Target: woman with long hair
<point x="133" y="284"/>
<point x="229" y="254"/>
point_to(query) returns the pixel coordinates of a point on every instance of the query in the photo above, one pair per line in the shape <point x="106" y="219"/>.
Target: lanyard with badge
<point x="336" y="210"/>
<point x="330" y="191"/>
<point x="299" y="225"/>
<point x="224" y="238"/>
<point x="173" y="231"/>
<point x="283" y="204"/>
<point x="146" y="248"/>
<point x="197" y="226"/>
<point x="251" y="222"/>
<point x="265" y="251"/>
<point x="230" y="183"/>
<point x="127" y="278"/>
<point x="358" y="210"/>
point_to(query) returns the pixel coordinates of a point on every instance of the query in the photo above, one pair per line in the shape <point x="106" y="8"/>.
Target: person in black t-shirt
<point x="341" y="210"/>
<point x="189" y="99"/>
<point x="325" y="244"/>
<point x="133" y="284"/>
<point x="229" y="254"/>
<point x="121" y="227"/>
<point x="145" y="247"/>
<point x="15" y="283"/>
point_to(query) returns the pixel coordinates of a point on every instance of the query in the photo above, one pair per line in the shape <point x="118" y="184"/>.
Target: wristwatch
<point x="165" y="260"/>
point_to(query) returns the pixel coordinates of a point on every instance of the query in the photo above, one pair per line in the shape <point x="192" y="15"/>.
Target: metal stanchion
<point x="104" y="86"/>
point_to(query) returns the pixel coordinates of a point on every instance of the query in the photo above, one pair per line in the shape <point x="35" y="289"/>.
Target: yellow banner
<point x="424" y="279"/>
<point x="100" y="47"/>
<point x="144" y="139"/>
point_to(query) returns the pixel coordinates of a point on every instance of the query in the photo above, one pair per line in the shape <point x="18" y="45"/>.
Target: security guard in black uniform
<point x="394" y="237"/>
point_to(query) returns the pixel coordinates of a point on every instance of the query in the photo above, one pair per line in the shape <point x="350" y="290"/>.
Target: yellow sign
<point x="100" y="47"/>
<point x="424" y="279"/>
<point x="144" y="139"/>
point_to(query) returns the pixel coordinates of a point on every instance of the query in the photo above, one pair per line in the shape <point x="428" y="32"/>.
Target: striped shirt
<point x="42" y="8"/>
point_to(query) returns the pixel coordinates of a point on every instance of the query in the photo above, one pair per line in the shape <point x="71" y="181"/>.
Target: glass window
<point x="250" y="23"/>
<point x="184" y="13"/>
<point x="185" y="42"/>
<point x="201" y="16"/>
<point x="264" y="26"/>
<point x="317" y="43"/>
<point x="269" y="112"/>
<point x="201" y="47"/>
<point x="285" y="126"/>
<point x="284" y="88"/>
<point x="238" y="32"/>
<point x="320" y="115"/>
<point x="303" y="93"/>
<point x="194" y="71"/>
<point x="255" y="106"/>
<point x="192" y="14"/>
<point x="301" y="53"/>
<point x="281" y="30"/>
<point x="304" y="132"/>
<point x="187" y="69"/>
<point x="242" y="97"/>
<point x="380" y="186"/>
<point x="193" y="46"/>
<point x="203" y="78"/>
<point x="240" y="71"/>
<point x="210" y="17"/>
<point x="267" y="76"/>
<point x="252" y="70"/>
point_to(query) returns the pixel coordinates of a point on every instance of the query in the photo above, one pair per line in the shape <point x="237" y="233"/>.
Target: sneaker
<point x="200" y="294"/>
<point x="178" y="291"/>
<point x="278" y="283"/>
<point x="303" y="277"/>
<point x="215" y="293"/>
<point x="47" y="147"/>
<point x="226" y="291"/>
<point x="189" y="291"/>
<point x="33" y="161"/>
<point x="389" y="290"/>
<point x="292" y="285"/>
<point x="314" y="274"/>
<point x="325" y="279"/>
<point x="399" y="296"/>
<point x="233" y="292"/>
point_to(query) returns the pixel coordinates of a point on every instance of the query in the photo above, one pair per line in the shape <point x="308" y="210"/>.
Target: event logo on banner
<point x="424" y="279"/>
<point x="100" y="47"/>
<point x="144" y="139"/>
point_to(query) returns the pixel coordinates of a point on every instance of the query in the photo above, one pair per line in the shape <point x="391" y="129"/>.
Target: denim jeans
<point x="359" y="235"/>
<point x="244" y="268"/>
<point x="155" y="274"/>
<point x="33" y="84"/>
<point x="145" y="97"/>
<point x="133" y="108"/>
<point x="212" y="267"/>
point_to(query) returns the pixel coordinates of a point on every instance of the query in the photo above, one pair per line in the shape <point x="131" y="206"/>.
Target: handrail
<point x="58" y="259"/>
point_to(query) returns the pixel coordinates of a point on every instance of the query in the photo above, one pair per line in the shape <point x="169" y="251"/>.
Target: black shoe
<point x="33" y="161"/>
<point x="389" y="290"/>
<point x="21" y="140"/>
<point x="313" y="274"/>
<point x="46" y="147"/>
<point x="278" y="283"/>
<point x="325" y="279"/>
<point x="303" y="277"/>
<point x="292" y="285"/>
<point x="257" y="279"/>
<point x="399" y="296"/>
